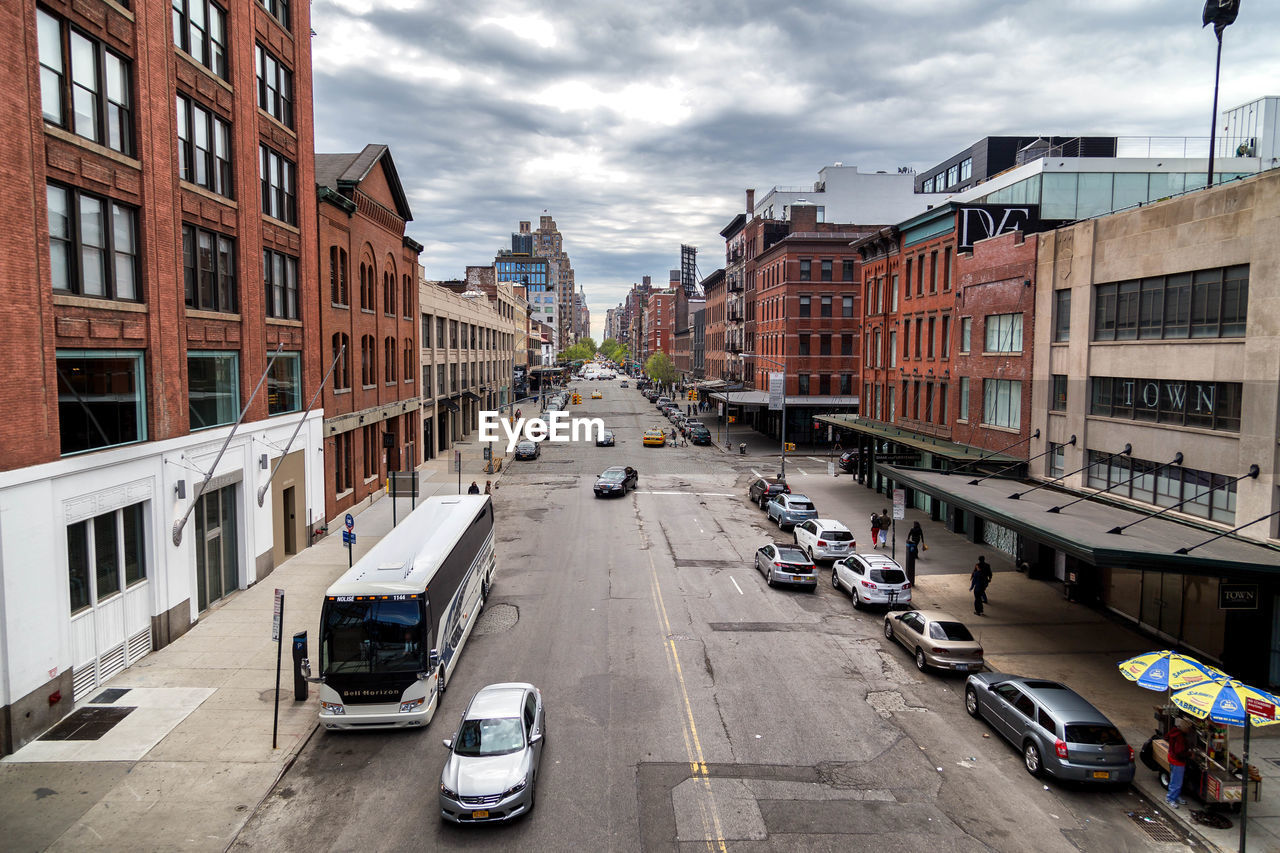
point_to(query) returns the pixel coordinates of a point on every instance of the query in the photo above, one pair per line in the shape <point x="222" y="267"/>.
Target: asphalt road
<point x="690" y="707"/>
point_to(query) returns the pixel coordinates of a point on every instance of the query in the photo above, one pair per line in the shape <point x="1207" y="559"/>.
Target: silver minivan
<point x="789" y="510"/>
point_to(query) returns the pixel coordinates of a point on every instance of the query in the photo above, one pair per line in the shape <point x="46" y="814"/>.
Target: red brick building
<point x="660" y="323"/>
<point x="714" y="289"/>
<point x="369" y="321"/>
<point x="156" y="193"/>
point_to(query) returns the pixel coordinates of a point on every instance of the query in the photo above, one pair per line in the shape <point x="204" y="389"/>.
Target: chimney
<point x="751" y="202"/>
<point x="804" y="217"/>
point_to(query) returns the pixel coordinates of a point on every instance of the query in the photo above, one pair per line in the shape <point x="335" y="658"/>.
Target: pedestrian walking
<point x="875" y="530"/>
<point x="1177" y="755"/>
<point x="886" y="521"/>
<point x="978" y="585"/>
<point x="488" y="487"/>
<point x="474" y="488"/>
<point x="984" y="567"/>
<point x="915" y="538"/>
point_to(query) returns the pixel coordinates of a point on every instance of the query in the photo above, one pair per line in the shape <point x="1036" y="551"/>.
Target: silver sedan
<point x="492" y="771"/>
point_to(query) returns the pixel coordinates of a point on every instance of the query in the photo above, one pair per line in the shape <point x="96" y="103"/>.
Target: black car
<point x="762" y="491"/>
<point x="616" y="481"/>
<point x="848" y="460"/>
<point x="528" y="450"/>
<point x="699" y="434"/>
<point x="605" y="439"/>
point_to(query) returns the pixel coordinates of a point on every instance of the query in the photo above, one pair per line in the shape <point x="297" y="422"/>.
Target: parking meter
<point x="300" y="688"/>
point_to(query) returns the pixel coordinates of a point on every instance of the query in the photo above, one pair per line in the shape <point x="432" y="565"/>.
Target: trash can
<point x="742" y="449"/>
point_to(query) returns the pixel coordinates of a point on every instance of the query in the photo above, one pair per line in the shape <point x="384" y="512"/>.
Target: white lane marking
<point x="757" y="473"/>
<point x="819" y="461"/>
<point x="802" y="471"/>
<point x="735" y="586"/>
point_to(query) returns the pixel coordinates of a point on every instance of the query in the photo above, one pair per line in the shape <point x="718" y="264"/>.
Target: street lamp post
<point x="782" y="364"/>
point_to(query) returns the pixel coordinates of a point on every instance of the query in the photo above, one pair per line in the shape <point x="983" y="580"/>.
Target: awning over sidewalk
<point x="1081" y="530"/>
<point x="472" y="395"/>
<point x="916" y="440"/>
<point x="450" y="405"/>
<point x="760" y="399"/>
<point x="709" y="385"/>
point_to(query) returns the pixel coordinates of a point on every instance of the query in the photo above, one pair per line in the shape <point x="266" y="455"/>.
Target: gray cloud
<point x="638" y="126"/>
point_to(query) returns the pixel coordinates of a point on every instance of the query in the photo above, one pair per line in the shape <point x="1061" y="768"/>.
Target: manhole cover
<point x="1155" y="828"/>
<point x="87" y="724"/>
<point x="496" y="618"/>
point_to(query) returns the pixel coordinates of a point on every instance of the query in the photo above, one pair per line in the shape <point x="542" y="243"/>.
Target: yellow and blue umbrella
<point x="1223" y="702"/>
<point x="1168" y="670"/>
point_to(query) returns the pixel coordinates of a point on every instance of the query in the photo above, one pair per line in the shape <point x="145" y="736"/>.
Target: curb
<point x="1155" y="793"/>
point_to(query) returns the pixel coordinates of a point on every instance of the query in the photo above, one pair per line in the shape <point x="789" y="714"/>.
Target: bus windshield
<point x="372" y="635"/>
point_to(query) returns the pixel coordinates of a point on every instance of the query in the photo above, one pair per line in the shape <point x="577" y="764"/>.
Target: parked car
<point x="761" y="491"/>
<point x="1057" y="730"/>
<point x="616" y="481"/>
<point x="527" y="449"/>
<point x="678" y="418"/>
<point x="871" y="579"/>
<point x="786" y="564"/>
<point x="655" y="437"/>
<point x="605" y="439"/>
<point x="699" y="434"/>
<point x="935" y="639"/>
<point x="788" y="510"/>
<point x="492" y="770"/>
<point x="824" y="539"/>
<point x="661" y="401"/>
<point x="848" y="460"/>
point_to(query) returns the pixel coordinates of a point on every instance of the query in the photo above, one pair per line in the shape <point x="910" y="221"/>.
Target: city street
<point x="689" y="705"/>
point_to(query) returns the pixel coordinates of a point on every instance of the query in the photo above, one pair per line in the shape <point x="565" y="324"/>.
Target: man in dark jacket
<point x="978" y="585"/>
<point x="474" y="489"/>
<point x="984" y="567"/>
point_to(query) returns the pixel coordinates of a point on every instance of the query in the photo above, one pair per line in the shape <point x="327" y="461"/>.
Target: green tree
<point x="577" y="352"/>
<point x="607" y="346"/>
<point x="589" y="344"/>
<point x="659" y="367"/>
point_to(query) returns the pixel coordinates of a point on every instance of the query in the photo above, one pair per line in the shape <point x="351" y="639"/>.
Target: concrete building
<point x="532" y="275"/>
<point x="468" y="352"/>
<point x="843" y="194"/>
<point x="152" y="270"/>
<point x="368" y="317"/>
<point x="548" y="243"/>
<point x="992" y="155"/>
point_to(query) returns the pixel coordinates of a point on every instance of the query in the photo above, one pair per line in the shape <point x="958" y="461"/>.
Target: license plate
<point x="798" y="579"/>
<point x="1101" y="774"/>
<point x="962" y="667"/>
<point x="481" y="814"/>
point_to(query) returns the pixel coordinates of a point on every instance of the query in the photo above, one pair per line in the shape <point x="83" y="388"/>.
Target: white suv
<point x="824" y="539"/>
<point x="871" y="579"/>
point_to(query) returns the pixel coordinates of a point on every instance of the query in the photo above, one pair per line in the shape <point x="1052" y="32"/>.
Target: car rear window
<point x="1093" y="734"/>
<point x="950" y="631"/>
<point x="837" y="535"/>
<point x="792" y="555"/>
<point x="801" y="505"/>
<point x="888" y="576"/>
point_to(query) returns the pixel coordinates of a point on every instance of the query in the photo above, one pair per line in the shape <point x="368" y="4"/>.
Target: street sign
<point x="776" y="392"/>
<point x="488" y="454"/>
<point x="1258" y="708"/>
<point x="457" y="461"/>
<point x="277" y="612"/>
<point x="348" y="538"/>
<point x="899" y="504"/>
<point x="350" y="521"/>
<point x="402" y="484"/>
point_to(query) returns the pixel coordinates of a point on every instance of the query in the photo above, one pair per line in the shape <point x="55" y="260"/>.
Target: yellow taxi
<point x="596" y="395"/>
<point x="655" y="437"/>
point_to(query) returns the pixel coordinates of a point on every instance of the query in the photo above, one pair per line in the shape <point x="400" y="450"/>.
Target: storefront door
<point x="1162" y="603"/>
<point x="217" y="567"/>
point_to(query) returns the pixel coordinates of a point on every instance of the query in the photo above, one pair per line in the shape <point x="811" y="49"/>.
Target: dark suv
<point x="699" y="434"/>
<point x="762" y="491"/>
<point x="848" y="460"/>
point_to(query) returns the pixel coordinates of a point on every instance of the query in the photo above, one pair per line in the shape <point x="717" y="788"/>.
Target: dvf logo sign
<point x="980" y="221"/>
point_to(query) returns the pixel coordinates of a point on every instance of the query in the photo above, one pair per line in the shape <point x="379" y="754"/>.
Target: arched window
<point x="408" y="360"/>
<point x="338" y="276"/>
<point x="368" y="362"/>
<point x="368" y="285"/>
<point x="389" y="360"/>
<point x="406" y="296"/>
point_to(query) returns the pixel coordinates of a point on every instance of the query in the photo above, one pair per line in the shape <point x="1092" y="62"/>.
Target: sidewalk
<point x="187" y="767"/>
<point x="1031" y="629"/>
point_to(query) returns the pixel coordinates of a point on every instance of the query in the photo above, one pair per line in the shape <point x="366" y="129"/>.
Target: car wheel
<point x="853" y="593"/>
<point x="1031" y="758"/>
<point x="769" y="577"/>
<point x="442" y="682"/>
<point x="888" y="630"/>
<point x="971" y="702"/>
<point x="812" y="559"/>
<point x="835" y="578"/>
<point x="921" y="663"/>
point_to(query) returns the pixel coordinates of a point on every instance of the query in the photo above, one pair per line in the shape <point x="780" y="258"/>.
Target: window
<point x="106" y="554"/>
<point x="388" y="293"/>
<point x="426" y="331"/>
<point x="89" y="253"/>
<point x="101" y="401"/>
<point x="342" y="354"/>
<point x="1056" y="462"/>
<point x="933" y="272"/>
<point x="200" y="29"/>
<point x="338" y="276"/>
<point x="204" y="147"/>
<point x="344" y="471"/>
<point x="846" y="270"/>
<point x="893" y="294"/>
<point x="1061" y="316"/>
<point x="826" y="270"/>
<point x="439" y="331"/>
<point x="208" y="270"/>
<point x="1058" y="393"/>
<point x="919" y="335"/>
<point x="406" y="299"/>
<point x="440" y="380"/>
<point x="278" y="9"/>
<point x="846" y="344"/>
<point x="824" y="345"/>
<point x="964" y="399"/>
<point x="846" y="384"/>
<point x="906" y="293"/>
<point x="408" y="361"/>
<point x="966" y="330"/>
<point x="1207" y="405"/>
<point x="1004" y="333"/>
<point x="389" y="358"/>
<point x="806" y="273"/>
<point x="966" y="169"/>
<point x="927" y="186"/>
<point x="804" y="344"/>
<point x="371" y="449"/>
<point x="920" y="275"/>
<point x="1201" y="493"/>
<point x="906" y="338"/>
<point x="284" y="384"/>
<point x="213" y="388"/>
<point x="453" y="334"/>
<point x="1002" y="403"/>
<point x="804" y="306"/>
<point x="279" y="185"/>
<point x="280" y="277"/>
<point x="825" y="306"/>
<point x="946" y="270"/>
<point x="1204" y="304"/>
<point x="368" y="362"/>
<point x="846" y="306"/>
<point x="367" y="274"/>
<point x="933" y="322"/>
<point x="953" y="175"/>
<point x="804" y="383"/>
<point x="946" y="336"/>
<point x="84" y="87"/>
<point x="275" y="86"/>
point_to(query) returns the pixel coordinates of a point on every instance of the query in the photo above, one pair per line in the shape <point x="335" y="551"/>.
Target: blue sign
<point x="350" y="521"/>
<point x="348" y="538"/>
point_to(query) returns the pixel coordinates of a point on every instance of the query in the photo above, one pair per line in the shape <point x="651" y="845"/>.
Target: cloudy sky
<point x="638" y="126"/>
